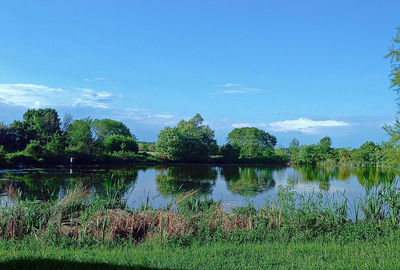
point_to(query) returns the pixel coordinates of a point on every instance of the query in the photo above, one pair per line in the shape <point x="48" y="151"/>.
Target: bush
<point x="34" y="149"/>
<point x="21" y="157"/>
<point x="116" y="143"/>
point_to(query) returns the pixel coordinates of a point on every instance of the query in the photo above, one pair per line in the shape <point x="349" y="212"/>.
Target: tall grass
<point x="81" y="216"/>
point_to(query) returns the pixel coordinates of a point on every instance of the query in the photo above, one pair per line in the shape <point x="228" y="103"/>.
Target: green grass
<point x="318" y="254"/>
<point x="292" y="232"/>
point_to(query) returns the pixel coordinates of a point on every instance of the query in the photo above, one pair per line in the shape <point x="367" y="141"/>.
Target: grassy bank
<point x="317" y="254"/>
<point x="294" y="231"/>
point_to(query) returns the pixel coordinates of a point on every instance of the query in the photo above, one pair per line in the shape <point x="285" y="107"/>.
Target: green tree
<point x="391" y="149"/>
<point x="308" y="155"/>
<point x="80" y="136"/>
<point x="34" y="149"/>
<point x="56" y="145"/>
<point x="252" y="142"/>
<point x="394" y="56"/>
<point x="38" y="125"/>
<point x="294" y="147"/>
<point x="369" y="153"/>
<point x="188" y="141"/>
<point x="106" y="127"/>
<point x="41" y="124"/>
<point x="325" y="150"/>
<point x="116" y="143"/>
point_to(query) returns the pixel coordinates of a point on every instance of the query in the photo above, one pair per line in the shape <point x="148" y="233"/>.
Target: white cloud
<point x="232" y="85"/>
<point x="164" y="116"/>
<point x="236" y="88"/>
<point x="242" y="125"/>
<point x="97" y="79"/>
<point x="146" y="116"/>
<point x="304" y="125"/>
<point x="244" y="90"/>
<point x="35" y="96"/>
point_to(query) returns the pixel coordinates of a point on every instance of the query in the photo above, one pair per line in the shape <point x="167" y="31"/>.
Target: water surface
<point x="160" y="185"/>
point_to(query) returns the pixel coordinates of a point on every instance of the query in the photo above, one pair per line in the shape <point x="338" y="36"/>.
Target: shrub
<point x="117" y="143"/>
<point x="34" y="149"/>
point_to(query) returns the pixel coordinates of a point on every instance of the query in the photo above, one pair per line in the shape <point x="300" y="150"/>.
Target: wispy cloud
<point x="146" y="116"/>
<point x="164" y="116"/>
<point x="97" y="79"/>
<point x="36" y="96"/>
<point x="236" y="88"/>
<point x="304" y="125"/>
<point x="242" y="125"/>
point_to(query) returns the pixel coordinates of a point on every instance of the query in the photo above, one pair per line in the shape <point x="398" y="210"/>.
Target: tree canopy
<point x="107" y="127"/>
<point x="188" y="141"/>
<point x="252" y="142"/>
<point x="394" y="56"/>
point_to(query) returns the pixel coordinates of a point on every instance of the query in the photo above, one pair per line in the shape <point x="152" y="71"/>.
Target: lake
<point x="160" y="185"/>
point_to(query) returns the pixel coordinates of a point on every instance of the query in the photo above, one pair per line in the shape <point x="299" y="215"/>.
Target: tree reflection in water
<point x="248" y="182"/>
<point x="175" y="180"/>
<point x="50" y="185"/>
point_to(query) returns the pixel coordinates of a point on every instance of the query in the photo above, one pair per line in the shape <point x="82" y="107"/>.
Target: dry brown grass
<point x="116" y="223"/>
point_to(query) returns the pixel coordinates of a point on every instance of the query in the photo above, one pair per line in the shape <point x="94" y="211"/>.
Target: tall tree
<point x="108" y="127"/>
<point x="188" y="141"/>
<point x="394" y="56"/>
<point x="41" y="124"/>
<point x="80" y="136"/>
<point x="252" y="142"/>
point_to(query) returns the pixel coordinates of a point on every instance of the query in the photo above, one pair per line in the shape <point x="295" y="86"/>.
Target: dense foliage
<point x="188" y="141"/>
<point x="252" y="143"/>
<point x="42" y="138"/>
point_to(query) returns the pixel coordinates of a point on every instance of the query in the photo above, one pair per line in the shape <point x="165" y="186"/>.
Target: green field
<point x="30" y="254"/>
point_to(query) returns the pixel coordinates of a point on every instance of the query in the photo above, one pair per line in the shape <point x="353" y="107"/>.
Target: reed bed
<point x="81" y="216"/>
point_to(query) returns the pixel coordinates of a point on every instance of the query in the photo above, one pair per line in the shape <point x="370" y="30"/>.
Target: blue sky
<point x="303" y="69"/>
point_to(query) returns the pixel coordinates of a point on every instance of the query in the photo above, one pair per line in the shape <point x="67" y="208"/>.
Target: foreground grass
<point x="81" y="232"/>
<point x="322" y="254"/>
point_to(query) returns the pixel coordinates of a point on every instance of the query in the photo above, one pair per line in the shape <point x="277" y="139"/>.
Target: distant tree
<point x="188" y="141"/>
<point x="282" y="154"/>
<point x="308" y="155"/>
<point x="369" y="152"/>
<point x="252" y="142"/>
<point x="115" y="143"/>
<point x="41" y="124"/>
<point x="107" y="127"/>
<point x="80" y="136"/>
<point x="344" y="155"/>
<point x="325" y="150"/>
<point x="57" y="144"/>
<point x="38" y="125"/>
<point x="67" y="120"/>
<point x="294" y="149"/>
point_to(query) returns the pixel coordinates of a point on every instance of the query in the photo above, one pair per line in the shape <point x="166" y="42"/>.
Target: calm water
<point x="232" y="185"/>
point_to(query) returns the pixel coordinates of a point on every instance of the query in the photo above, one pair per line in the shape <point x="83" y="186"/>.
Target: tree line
<point x="42" y="138"/>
